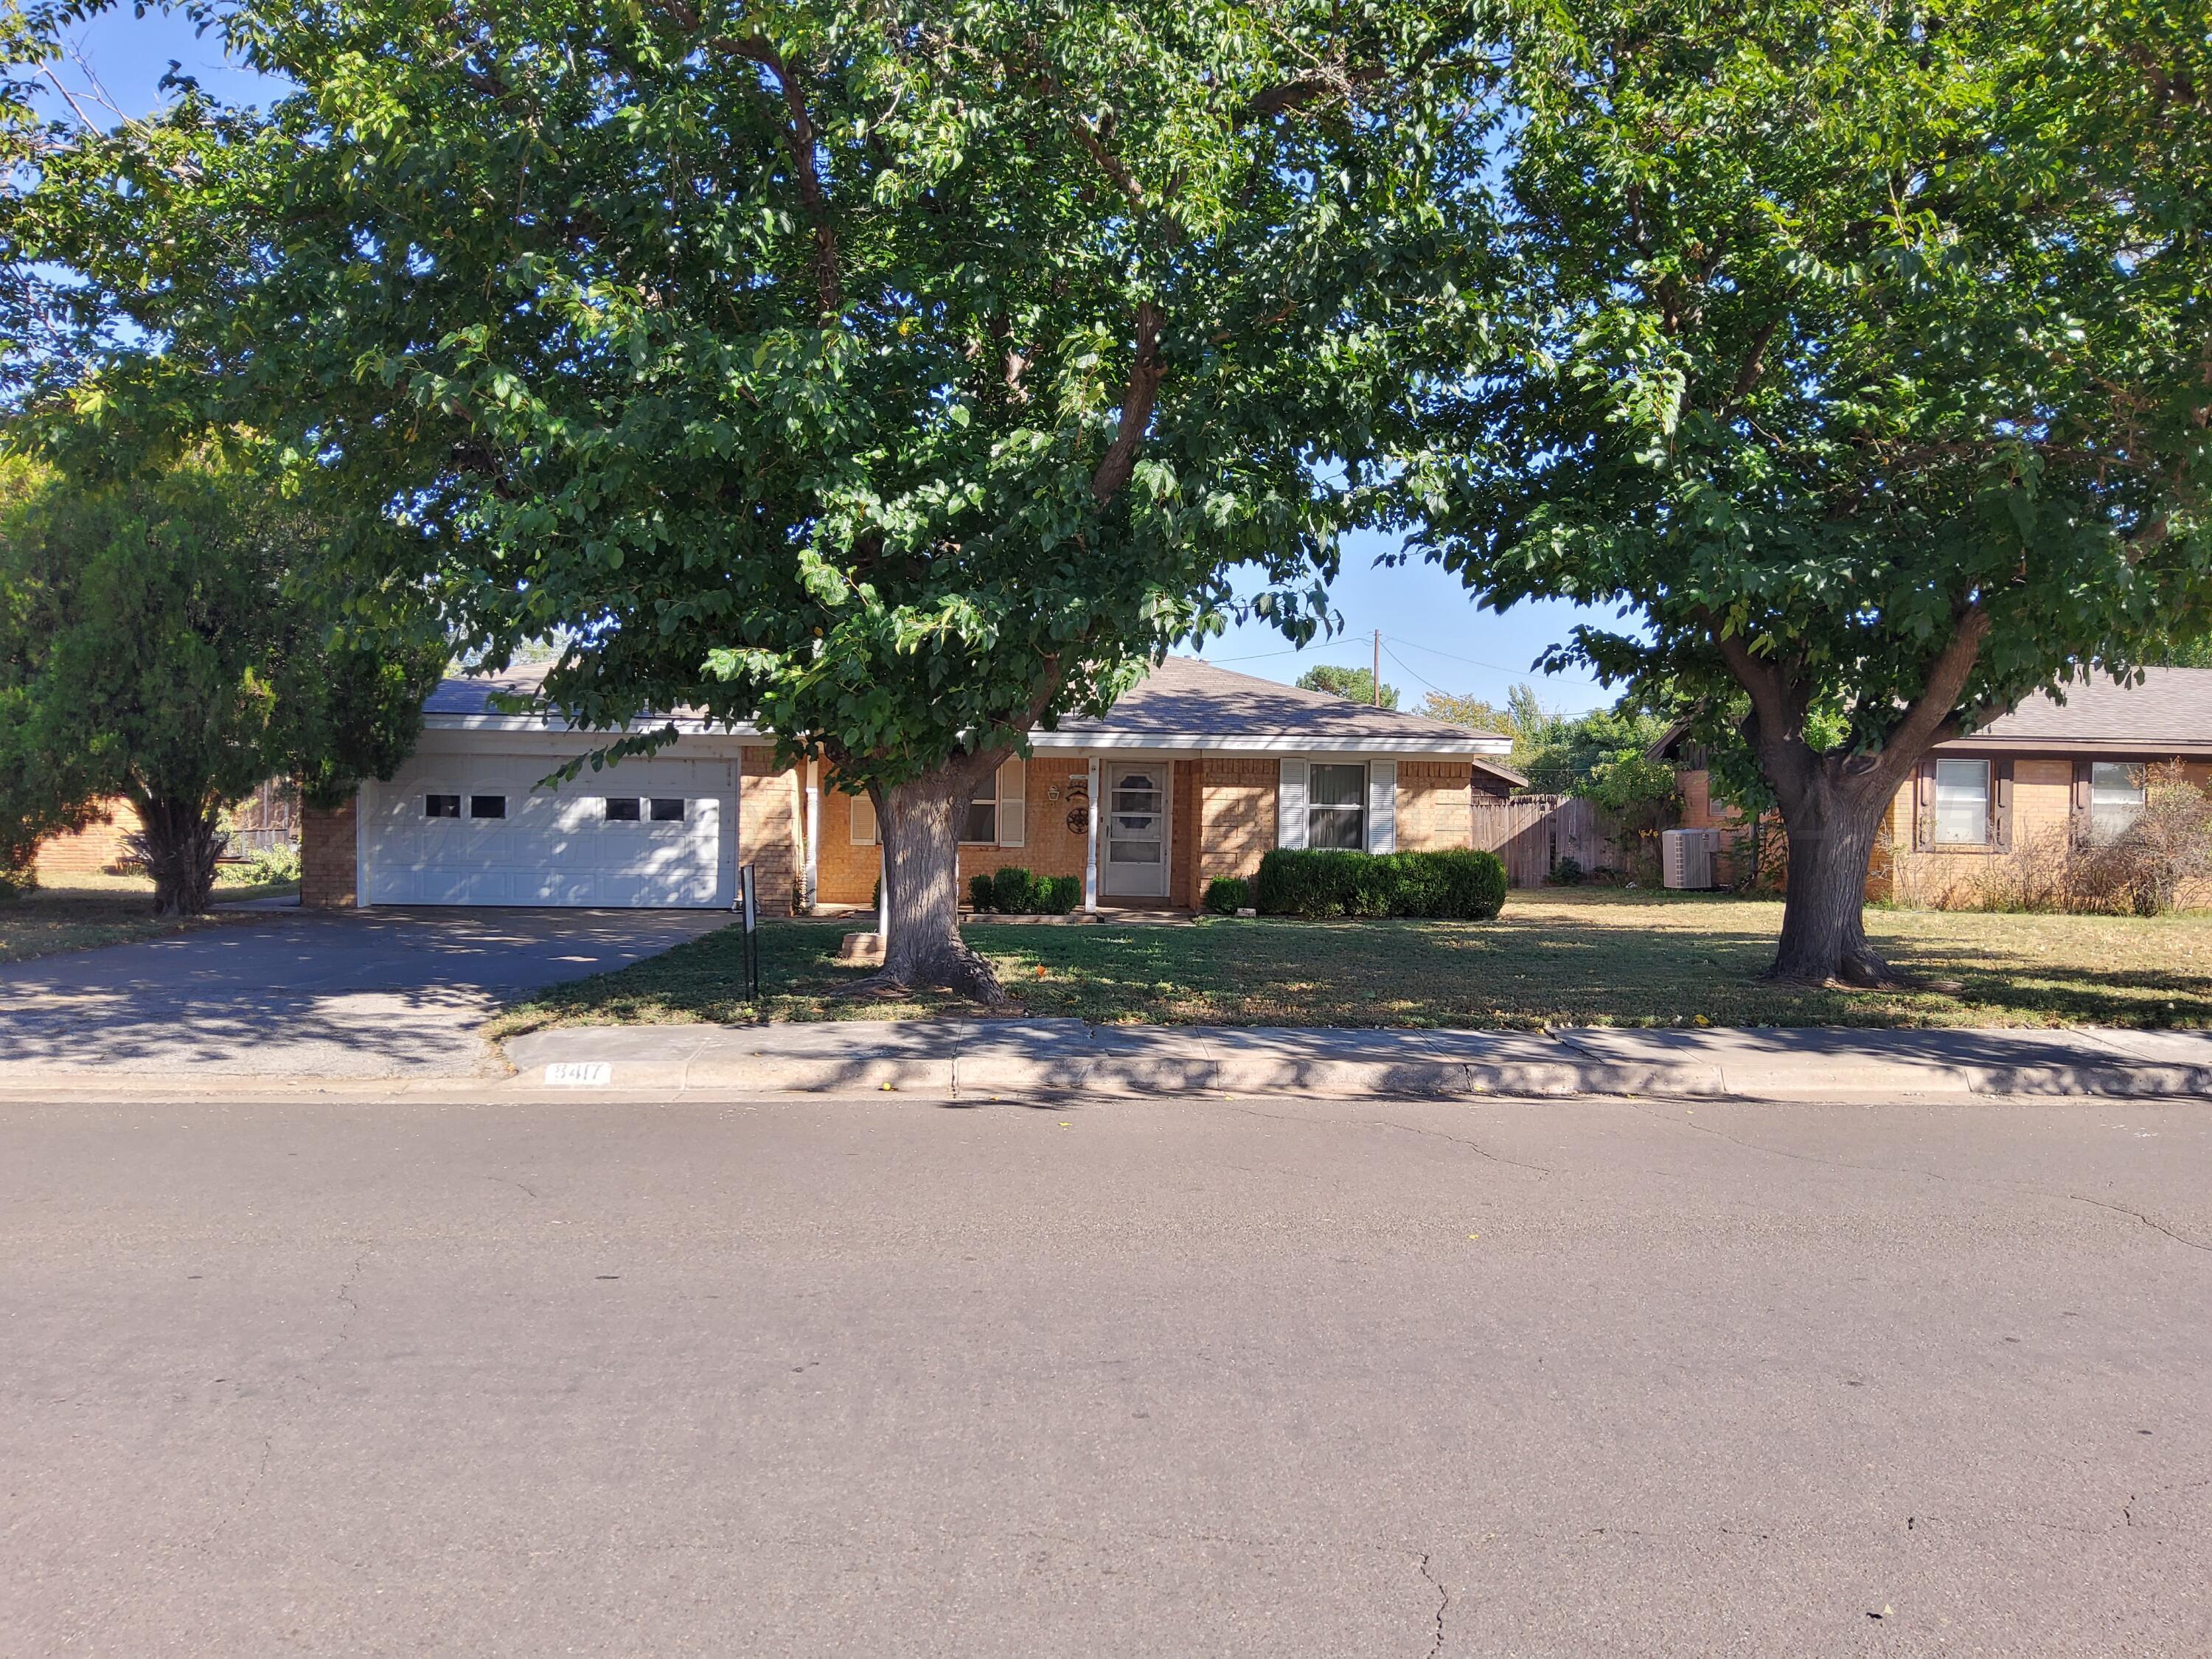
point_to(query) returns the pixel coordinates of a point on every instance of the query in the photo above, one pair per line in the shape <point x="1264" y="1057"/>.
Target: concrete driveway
<point x="377" y="994"/>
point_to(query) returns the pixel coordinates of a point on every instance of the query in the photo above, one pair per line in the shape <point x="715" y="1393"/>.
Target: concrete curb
<point x="981" y="1060"/>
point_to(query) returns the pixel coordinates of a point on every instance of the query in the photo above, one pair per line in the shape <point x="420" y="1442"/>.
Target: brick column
<point x="329" y="858"/>
<point x="768" y="830"/>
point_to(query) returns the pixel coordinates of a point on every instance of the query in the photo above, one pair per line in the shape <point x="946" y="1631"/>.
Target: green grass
<point x="96" y="910"/>
<point x="1554" y="957"/>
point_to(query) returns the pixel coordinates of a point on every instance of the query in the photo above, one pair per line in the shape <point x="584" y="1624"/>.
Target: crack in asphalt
<point x="1444" y="1604"/>
<point x="2150" y="1222"/>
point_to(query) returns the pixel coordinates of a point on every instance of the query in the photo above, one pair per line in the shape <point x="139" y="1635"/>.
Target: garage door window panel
<point x="487" y="806"/>
<point x="623" y="809"/>
<point x="441" y="807"/>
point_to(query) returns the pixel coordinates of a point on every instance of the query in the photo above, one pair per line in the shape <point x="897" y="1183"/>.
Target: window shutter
<point x="1011" y="784"/>
<point x="2001" y="805"/>
<point x="1383" y="806"/>
<point x="864" y="820"/>
<point x="1923" y="807"/>
<point x="1291" y="803"/>
<point x="2081" y="813"/>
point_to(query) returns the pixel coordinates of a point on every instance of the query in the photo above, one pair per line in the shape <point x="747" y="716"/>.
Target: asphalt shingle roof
<point x="1182" y="696"/>
<point x="2171" y="705"/>
<point x="1185" y="694"/>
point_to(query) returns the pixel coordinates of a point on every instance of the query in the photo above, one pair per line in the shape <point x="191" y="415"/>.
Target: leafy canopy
<point x="895" y="374"/>
<point x="1352" y="684"/>
<point x="1859" y="351"/>
<point x="165" y="640"/>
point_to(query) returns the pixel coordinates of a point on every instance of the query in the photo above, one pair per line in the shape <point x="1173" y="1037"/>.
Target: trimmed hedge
<point x="1013" y="891"/>
<point x="1226" y="895"/>
<point x="1458" y="882"/>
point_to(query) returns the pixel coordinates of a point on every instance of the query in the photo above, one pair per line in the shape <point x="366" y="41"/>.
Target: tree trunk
<point x="919" y="827"/>
<point x="1831" y="831"/>
<point x="179" y="842"/>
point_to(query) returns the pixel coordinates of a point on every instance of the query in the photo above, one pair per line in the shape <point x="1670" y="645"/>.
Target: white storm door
<point x="1136" y="862"/>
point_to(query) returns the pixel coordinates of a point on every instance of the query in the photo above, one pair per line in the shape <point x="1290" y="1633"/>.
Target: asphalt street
<point x="343" y="1375"/>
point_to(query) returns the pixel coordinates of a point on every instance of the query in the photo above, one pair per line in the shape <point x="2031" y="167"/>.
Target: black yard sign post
<point x="750" y="911"/>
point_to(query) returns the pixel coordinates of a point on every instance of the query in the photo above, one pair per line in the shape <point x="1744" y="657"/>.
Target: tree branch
<point x="828" y="283"/>
<point x="1337" y="81"/>
<point x="1933" y="717"/>
<point x="1136" y="399"/>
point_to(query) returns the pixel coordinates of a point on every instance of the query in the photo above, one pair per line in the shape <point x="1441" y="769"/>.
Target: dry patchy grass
<point x="1554" y="957"/>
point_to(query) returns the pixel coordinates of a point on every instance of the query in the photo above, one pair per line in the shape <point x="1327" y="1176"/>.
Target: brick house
<point x="1193" y="774"/>
<point x="2043" y="780"/>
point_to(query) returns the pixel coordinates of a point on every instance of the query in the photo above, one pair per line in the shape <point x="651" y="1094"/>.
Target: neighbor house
<point x="2046" y="779"/>
<point x="1195" y="774"/>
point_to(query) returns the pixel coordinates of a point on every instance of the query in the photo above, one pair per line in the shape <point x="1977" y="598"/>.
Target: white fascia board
<point x="2134" y="749"/>
<point x="689" y="728"/>
<point x="1271" y="743"/>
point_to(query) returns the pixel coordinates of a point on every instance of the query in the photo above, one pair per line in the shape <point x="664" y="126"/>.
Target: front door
<point x="1136" y="829"/>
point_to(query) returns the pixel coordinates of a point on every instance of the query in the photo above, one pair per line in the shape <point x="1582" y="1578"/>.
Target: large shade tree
<point x="170" y="640"/>
<point x="1861" y="353"/>
<point x="900" y="375"/>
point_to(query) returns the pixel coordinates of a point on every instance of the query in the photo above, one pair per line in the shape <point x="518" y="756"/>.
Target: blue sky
<point x="1434" y="637"/>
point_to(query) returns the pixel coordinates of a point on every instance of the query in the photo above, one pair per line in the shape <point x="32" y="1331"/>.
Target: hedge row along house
<point x="2049" y="781"/>
<point x="1193" y="774"/>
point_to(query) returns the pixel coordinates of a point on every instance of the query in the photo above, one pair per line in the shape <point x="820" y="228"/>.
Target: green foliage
<point x="273" y="867"/>
<point x="898" y="377"/>
<point x="1458" y="884"/>
<point x="1010" y="889"/>
<point x="1856" y="352"/>
<point x="1568" y="872"/>
<point x="168" y="639"/>
<point x="1352" y="684"/>
<point x="1226" y="895"/>
<point x="1520" y="708"/>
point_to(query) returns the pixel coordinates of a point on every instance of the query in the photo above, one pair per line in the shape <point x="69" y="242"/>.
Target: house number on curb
<point x="581" y="1073"/>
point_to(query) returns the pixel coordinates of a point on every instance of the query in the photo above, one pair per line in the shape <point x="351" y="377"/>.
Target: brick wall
<point x="329" y="856"/>
<point x="96" y="848"/>
<point x="1236" y="815"/>
<point x="846" y="874"/>
<point x="771" y="804"/>
<point x="1434" y="808"/>
<point x="1185" y="887"/>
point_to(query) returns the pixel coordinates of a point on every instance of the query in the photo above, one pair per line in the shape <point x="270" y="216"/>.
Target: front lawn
<point x="1554" y="957"/>
<point x="96" y="910"/>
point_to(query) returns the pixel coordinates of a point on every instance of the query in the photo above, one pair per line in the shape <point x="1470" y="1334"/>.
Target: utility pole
<point x="1376" y="685"/>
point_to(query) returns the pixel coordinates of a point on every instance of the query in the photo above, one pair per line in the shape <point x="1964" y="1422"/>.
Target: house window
<point x="667" y="809"/>
<point x="487" y="806"/>
<point x="441" y="807"/>
<point x="621" y="809"/>
<point x="982" y="821"/>
<point x="864" y="820"/>
<point x="1336" y="806"/>
<point x="1962" y="803"/>
<point x="2116" y="798"/>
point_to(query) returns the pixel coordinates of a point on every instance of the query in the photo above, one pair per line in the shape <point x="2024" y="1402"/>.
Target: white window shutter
<point x="1010" y="802"/>
<point x="1291" y="803"/>
<point x="864" y="820"/>
<point x="1383" y="806"/>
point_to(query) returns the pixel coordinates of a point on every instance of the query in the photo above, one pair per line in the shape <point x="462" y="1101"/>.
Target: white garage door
<point x="477" y="830"/>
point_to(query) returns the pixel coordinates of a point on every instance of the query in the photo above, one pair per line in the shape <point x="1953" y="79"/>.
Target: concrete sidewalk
<point x="1003" y="1057"/>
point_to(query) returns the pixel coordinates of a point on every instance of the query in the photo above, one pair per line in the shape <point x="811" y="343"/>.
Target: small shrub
<point x="1458" y="882"/>
<point x="1568" y="872"/>
<point x="273" y="865"/>
<point x="1226" y="895"/>
<point x="1056" y="896"/>
<point x="19" y="882"/>
<point x="1011" y="889"/>
<point x="979" y="892"/>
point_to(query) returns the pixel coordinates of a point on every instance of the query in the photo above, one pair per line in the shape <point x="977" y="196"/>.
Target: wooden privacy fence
<point x="1533" y="833"/>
